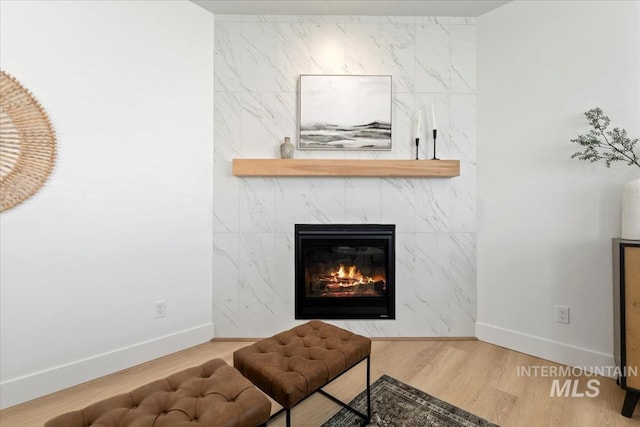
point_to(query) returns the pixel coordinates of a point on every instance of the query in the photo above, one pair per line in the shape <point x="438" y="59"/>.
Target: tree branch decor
<point x="607" y="145"/>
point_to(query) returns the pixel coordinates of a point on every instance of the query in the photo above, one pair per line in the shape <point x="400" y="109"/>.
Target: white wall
<point x="546" y="220"/>
<point x="125" y="219"/>
<point x="258" y="61"/>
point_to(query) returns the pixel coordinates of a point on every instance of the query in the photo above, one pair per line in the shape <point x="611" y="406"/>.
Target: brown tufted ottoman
<point x="294" y="364"/>
<point x="211" y="395"/>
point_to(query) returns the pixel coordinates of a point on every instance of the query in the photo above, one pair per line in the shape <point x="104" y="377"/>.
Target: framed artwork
<point x="344" y="112"/>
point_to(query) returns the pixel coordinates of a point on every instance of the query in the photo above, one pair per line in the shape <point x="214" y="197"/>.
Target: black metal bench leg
<point x="630" y="402"/>
<point x="339" y="402"/>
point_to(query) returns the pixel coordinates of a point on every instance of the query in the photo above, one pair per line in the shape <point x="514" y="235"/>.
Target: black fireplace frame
<point x="345" y="308"/>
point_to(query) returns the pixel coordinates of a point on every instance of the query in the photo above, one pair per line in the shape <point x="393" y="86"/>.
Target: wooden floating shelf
<point x="344" y="167"/>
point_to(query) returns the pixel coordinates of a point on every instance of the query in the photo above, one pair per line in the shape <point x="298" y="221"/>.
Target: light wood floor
<point x="478" y="377"/>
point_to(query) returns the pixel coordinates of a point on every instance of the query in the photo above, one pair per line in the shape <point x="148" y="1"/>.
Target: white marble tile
<point x="463" y="128"/>
<point x="227" y="131"/>
<point x="286" y="117"/>
<point x="463" y="319"/>
<point x="463" y="20"/>
<point x="323" y="154"/>
<point x="309" y="201"/>
<point x="425" y="320"/>
<point x="256" y="205"/>
<point x="292" y="203"/>
<point x="433" y="67"/>
<point x="284" y="267"/>
<point x="433" y="280"/>
<point x="366" y="328"/>
<point x="327" y="42"/>
<point x="433" y="205"/>
<point x="406" y="20"/>
<point x="364" y="19"/>
<point x="441" y="20"/>
<point x="400" y="59"/>
<point x="405" y="279"/>
<point x="398" y="203"/>
<point x="256" y="263"/>
<point x="258" y="60"/>
<point x="225" y="199"/>
<point x="227" y="56"/>
<point x="463" y="267"/>
<point x="299" y="19"/>
<point x="271" y="19"/>
<point x="437" y="319"/>
<point x="327" y="200"/>
<point x="463" y="58"/>
<point x="228" y="321"/>
<point x="257" y="57"/>
<point x="251" y="320"/>
<point x="360" y="39"/>
<point x="336" y="19"/>
<point x="320" y="154"/>
<point x="362" y="201"/>
<point x="463" y="200"/>
<point x="226" y="253"/>
<point x="260" y="136"/>
<point x="292" y="55"/>
<point x="383" y="49"/>
<point x="403" y="122"/>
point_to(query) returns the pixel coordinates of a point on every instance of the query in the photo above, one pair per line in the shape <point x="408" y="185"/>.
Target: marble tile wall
<point x="257" y="63"/>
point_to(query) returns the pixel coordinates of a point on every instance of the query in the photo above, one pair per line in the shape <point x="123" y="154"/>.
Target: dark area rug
<point x="396" y="404"/>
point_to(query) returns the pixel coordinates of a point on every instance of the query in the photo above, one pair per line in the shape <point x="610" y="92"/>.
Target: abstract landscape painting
<point x="345" y="112"/>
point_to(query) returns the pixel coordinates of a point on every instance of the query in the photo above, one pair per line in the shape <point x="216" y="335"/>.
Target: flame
<point x="351" y="273"/>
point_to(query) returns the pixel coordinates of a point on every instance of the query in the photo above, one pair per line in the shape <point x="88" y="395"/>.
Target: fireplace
<point x="344" y="271"/>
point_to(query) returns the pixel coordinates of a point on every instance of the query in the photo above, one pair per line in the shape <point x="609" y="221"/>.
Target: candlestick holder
<point x="435" y="135"/>
<point x="417" y="145"/>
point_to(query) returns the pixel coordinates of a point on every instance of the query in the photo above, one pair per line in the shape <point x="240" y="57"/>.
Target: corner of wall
<point x="543" y="348"/>
<point x="31" y="386"/>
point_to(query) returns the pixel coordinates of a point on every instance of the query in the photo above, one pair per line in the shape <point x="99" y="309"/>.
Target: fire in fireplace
<point x="345" y="271"/>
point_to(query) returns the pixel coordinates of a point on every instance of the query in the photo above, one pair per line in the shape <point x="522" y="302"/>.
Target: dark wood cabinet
<point x="626" y="310"/>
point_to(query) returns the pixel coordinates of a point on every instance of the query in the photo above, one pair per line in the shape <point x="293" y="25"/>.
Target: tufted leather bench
<point x="294" y="364"/>
<point x="211" y="395"/>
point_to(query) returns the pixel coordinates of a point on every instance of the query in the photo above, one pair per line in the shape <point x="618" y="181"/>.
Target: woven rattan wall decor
<point x="27" y="143"/>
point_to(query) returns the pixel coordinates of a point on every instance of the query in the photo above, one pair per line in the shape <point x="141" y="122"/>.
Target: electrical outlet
<point x="562" y="314"/>
<point x="161" y="308"/>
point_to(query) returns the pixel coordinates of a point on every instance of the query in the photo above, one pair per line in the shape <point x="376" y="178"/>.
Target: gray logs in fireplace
<point x="344" y="271"/>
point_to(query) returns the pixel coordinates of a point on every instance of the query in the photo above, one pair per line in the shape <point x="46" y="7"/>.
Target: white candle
<point x="433" y="117"/>
<point x="419" y="129"/>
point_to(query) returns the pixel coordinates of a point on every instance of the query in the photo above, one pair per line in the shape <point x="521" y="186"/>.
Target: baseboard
<point x="28" y="387"/>
<point x="543" y="348"/>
